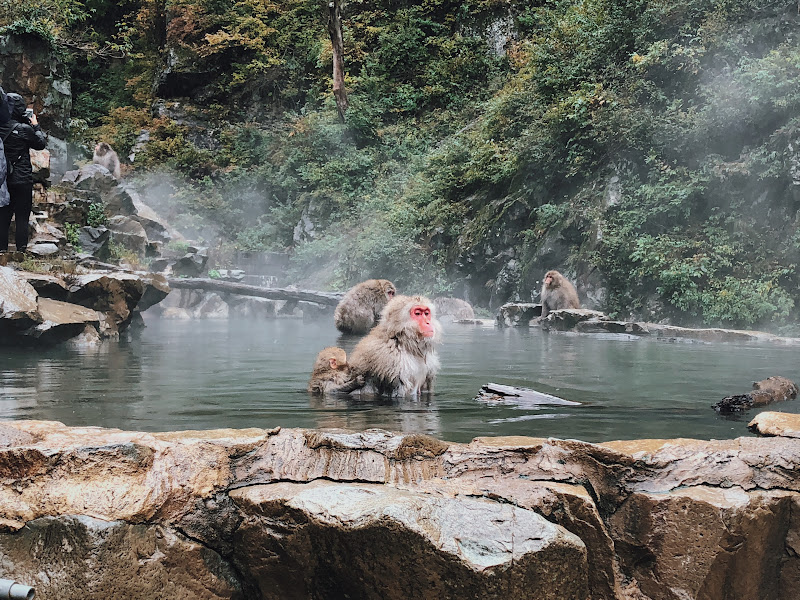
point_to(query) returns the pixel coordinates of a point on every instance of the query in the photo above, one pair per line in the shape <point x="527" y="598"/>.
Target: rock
<point x="518" y="314"/>
<point x="773" y="423"/>
<point x="292" y="513"/>
<point x="453" y="309"/>
<point x="62" y="321"/>
<point x="18" y="307"/>
<point x="129" y="233"/>
<point x="115" y="294"/>
<point x="192" y="264"/>
<point x="94" y="242"/>
<point x="567" y="319"/>
<point x="31" y="68"/>
<point x="45" y="249"/>
<point x="766" y="391"/>
<point x="156" y="289"/>
<point x="93" y="555"/>
<point x="40" y="164"/>
<point x="47" y="286"/>
<point x="700" y="541"/>
<point x="447" y="543"/>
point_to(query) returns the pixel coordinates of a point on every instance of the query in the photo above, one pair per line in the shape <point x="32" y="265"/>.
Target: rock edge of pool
<point x="88" y="512"/>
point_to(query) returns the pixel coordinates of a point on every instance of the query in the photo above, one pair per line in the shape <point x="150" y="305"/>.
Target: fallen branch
<point x="229" y="287"/>
<point x="495" y="392"/>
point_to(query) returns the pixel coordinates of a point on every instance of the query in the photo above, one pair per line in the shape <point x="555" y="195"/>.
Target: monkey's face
<point x="422" y="316"/>
<point x="389" y="290"/>
<point x="550" y="280"/>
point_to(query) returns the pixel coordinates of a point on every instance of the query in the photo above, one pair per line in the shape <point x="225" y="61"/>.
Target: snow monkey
<point x="557" y="293"/>
<point x="331" y="373"/>
<point x="398" y="358"/>
<point x="361" y="306"/>
<point x="104" y="155"/>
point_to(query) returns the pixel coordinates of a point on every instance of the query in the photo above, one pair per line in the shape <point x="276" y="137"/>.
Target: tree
<point x="335" y="32"/>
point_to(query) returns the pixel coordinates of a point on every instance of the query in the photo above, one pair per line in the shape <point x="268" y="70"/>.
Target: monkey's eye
<point x="419" y="312"/>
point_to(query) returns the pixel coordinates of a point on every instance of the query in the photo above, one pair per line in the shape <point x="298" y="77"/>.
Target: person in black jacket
<point x="4" y="118"/>
<point x="19" y="135"/>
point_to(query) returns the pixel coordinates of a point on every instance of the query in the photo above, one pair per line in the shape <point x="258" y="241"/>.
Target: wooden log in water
<point x="518" y="395"/>
<point x="230" y="287"/>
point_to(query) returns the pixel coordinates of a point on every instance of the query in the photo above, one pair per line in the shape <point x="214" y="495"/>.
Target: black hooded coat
<point x="20" y="136"/>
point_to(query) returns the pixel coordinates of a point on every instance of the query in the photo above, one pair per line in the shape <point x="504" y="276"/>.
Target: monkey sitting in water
<point x="105" y="156"/>
<point x="557" y="293"/>
<point x="398" y="357"/>
<point x="331" y="373"/>
<point x="361" y="306"/>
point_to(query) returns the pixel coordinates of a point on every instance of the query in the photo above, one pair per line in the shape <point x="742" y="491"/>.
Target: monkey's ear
<point x="333" y="363"/>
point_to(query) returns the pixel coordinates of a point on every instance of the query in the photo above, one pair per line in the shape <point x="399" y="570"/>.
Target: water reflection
<point x="209" y="374"/>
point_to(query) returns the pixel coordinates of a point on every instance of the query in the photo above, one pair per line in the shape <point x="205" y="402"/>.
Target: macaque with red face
<point x="557" y="293"/>
<point x="361" y="306"/>
<point x="398" y="357"/>
<point x="331" y="373"/>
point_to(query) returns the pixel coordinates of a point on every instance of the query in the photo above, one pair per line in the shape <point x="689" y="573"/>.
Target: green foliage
<point x="72" y="233"/>
<point x="96" y="216"/>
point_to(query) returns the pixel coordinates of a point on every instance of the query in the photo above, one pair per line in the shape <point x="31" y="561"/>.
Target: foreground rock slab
<point x="292" y="513"/>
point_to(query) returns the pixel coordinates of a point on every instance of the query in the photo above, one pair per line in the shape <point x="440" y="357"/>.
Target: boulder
<point x="567" y="319"/>
<point x="40" y="164"/>
<point x="518" y="314"/>
<point x="778" y="424"/>
<point x="19" y="310"/>
<point x="47" y="286"/>
<point x="453" y="309"/>
<point x="115" y="294"/>
<point x="62" y="321"/>
<point x="156" y="289"/>
<point x="94" y="242"/>
<point x="327" y="531"/>
<point x="129" y="233"/>
<point x="293" y="513"/>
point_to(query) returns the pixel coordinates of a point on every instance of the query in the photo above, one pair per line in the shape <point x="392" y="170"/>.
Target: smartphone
<point x="28" y="113"/>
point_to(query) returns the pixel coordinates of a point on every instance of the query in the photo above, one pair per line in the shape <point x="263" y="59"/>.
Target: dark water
<point x="211" y="374"/>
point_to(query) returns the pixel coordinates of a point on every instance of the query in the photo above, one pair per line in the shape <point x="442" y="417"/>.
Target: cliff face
<point x="323" y="514"/>
<point x="648" y="151"/>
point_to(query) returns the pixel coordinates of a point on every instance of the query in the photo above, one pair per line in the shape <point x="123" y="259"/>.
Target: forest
<point x="648" y="149"/>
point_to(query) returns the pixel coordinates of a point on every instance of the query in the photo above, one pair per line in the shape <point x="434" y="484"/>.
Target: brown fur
<point x="361" y="307"/>
<point x="105" y="156"/>
<point x="455" y="308"/>
<point x="331" y="372"/>
<point x="395" y="359"/>
<point x="558" y="294"/>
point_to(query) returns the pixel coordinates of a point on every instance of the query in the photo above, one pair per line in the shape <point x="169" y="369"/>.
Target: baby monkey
<point x="331" y="373"/>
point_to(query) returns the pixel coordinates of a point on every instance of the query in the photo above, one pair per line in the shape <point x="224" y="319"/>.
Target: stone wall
<point x="100" y="513"/>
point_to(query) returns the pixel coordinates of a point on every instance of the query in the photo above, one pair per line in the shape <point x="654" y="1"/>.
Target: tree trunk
<point x="215" y="285"/>
<point x="335" y="32"/>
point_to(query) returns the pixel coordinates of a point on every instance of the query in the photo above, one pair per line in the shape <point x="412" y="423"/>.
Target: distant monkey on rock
<point x="398" y="357"/>
<point x="557" y="293"/>
<point x="361" y="307"/>
<point x="104" y="155"/>
<point x="331" y="373"/>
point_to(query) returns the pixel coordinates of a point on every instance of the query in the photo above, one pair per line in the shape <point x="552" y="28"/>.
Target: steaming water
<point x="212" y="374"/>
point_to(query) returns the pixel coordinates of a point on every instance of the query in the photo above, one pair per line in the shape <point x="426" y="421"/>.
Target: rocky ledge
<point x="290" y="513"/>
